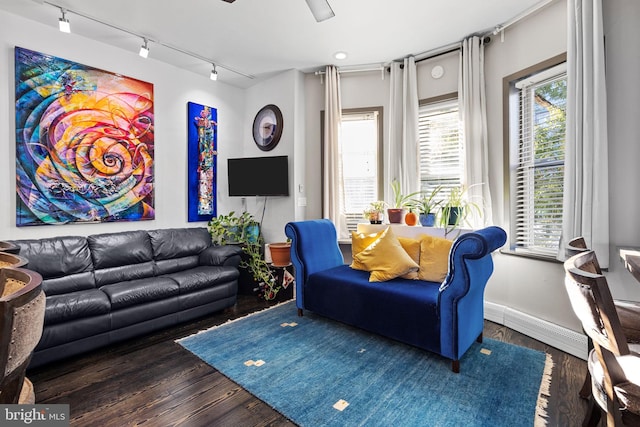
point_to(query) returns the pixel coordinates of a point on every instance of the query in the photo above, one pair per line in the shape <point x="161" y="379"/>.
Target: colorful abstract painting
<point x="84" y="143"/>
<point x="203" y="144"/>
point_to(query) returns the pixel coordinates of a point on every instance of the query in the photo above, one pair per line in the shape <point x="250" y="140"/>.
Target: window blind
<point x="539" y="174"/>
<point x="440" y="145"/>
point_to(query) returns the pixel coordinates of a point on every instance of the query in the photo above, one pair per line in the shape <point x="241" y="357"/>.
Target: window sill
<point x="531" y="255"/>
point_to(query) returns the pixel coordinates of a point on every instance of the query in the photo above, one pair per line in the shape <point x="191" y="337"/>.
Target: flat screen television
<point x="258" y="176"/>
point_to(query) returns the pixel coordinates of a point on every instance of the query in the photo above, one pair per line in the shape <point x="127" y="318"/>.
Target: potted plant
<point x="233" y="229"/>
<point x="427" y="206"/>
<point x="456" y="209"/>
<point x="280" y="253"/>
<point x="245" y="230"/>
<point x="401" y="201"/>
<point x="375" y="212"/>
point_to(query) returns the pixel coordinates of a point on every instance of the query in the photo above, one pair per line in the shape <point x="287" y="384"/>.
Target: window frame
<point x="510" y="133"/>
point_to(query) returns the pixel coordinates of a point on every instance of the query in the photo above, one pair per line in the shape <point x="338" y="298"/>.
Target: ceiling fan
<point x="320" y="8"/>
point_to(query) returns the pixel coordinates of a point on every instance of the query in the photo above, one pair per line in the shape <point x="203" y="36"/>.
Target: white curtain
<point x="586" y="183"/>
<point x="333" y="184"/>
<point x="473" y="115"/>
<point x="401" y="154"/>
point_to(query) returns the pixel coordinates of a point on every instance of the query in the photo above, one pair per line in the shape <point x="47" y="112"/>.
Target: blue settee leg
<point x="300" y="314"/>
<point x="455" y="366"/>
<point x="479" y="339"/>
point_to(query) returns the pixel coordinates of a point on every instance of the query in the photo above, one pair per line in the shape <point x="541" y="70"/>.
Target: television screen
<point x="258" y="176"/>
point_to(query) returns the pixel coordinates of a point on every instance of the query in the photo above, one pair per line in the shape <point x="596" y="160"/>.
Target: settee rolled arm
<point x="462" y="292"/>
<point x="221" y="255"/>
<point x="473" y="245"/>
<point x="314" y="248"/>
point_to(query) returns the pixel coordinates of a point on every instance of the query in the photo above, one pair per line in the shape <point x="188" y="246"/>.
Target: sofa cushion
<point x="58" y="256"/>
<point x="167" y="266"/>
<point x="178" y="242"/>
<point x="70" y="283"/>
<point x="434" y="258"/>
<point x="134" y="292"/>
<point x="386" y="259"/>
<point x="359" y="242"/>
<point x="125" y="273"/>
<point x="412" y="248"/>
<point x="404" y="309"/>
<point x="118" y="249"/>
<point x="76" y="305"/>
<point x="203" y="277"/>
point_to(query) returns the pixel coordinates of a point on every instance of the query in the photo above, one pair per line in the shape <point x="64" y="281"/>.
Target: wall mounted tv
<point x="258" y="176"/>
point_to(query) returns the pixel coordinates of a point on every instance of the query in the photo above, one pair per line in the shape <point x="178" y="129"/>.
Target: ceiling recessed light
<point x="340" y="55"/>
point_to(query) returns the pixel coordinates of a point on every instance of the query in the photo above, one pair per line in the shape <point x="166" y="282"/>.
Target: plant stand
<point x="285" y="277"/>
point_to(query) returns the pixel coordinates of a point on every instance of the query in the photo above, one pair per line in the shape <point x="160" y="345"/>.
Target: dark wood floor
<point x="153" y="381"/>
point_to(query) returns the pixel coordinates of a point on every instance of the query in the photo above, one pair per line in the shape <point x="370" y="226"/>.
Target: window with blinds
<point x="537" y="175"/>
<point x="441" y="150"/>
<point x="360" y="147"/>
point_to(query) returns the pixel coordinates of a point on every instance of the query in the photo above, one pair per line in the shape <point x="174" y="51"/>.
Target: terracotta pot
<point x="395" y="215"/>
<point x="280" y="254"/>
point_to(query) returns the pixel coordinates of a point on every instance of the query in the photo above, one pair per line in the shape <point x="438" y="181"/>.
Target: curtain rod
<point x="353" y="70"/>
<point x="443" y="50"/>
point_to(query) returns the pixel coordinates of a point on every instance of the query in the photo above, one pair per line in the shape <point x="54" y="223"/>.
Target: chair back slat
<point x="592" y="302"/>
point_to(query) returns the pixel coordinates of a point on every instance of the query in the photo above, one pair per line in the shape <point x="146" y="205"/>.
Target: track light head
<point x="214" y="74"/>
<point x="144" y="49"/>
<point x="63" y="23"/>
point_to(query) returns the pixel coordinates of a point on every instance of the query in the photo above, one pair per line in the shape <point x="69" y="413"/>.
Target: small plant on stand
<point x="375" y="212"/>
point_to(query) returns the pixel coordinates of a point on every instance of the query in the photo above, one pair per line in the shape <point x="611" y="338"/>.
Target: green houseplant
<point x="400" y="202"/>
<point x="457" y="208"/>
<point x="375" y="212"/>
<point x="244" y="230"/>
<point x="427" y="206"/>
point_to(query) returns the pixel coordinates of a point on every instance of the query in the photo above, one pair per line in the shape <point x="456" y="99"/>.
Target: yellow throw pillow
<point x="359" y="242"/>
<point x="412" y="248"/>
<point x="434" y="258"/>
<point x="386" y="259"/>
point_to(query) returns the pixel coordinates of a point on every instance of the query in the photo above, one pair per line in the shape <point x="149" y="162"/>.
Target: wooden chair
<point x="9" y="247"/>
<point x="12" y="260"/>
<point x="628" y="311"/>
<point x="22" y="305"/>
<point x="614" y="364"/>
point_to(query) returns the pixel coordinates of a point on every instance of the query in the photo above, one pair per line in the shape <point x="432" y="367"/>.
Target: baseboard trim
<point x="567" y="340"/>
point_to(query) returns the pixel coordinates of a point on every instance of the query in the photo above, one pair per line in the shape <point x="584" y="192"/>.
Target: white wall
<point x="283" y="91"/>
<point x="622" y="33"/>
<point x="173" y="88"/>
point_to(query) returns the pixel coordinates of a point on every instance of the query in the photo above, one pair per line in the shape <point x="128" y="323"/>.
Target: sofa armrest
<point x="314" y="248"/>
<point x="462" y="291"/>
<point x="221" y="255"/>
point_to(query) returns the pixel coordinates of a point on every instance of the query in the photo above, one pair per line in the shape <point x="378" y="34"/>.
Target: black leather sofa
<point x="111" y="287"/>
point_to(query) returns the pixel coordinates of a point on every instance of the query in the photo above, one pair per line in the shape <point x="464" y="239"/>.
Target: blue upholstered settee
<point x="444" y="318"/>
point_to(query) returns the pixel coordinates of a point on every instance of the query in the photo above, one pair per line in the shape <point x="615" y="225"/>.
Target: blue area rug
<point x="318" y="372"/>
